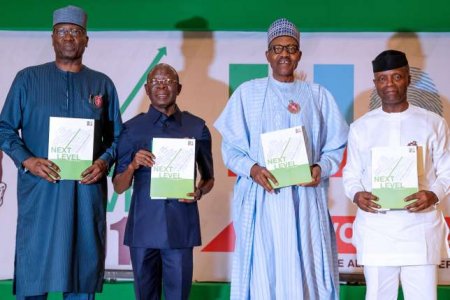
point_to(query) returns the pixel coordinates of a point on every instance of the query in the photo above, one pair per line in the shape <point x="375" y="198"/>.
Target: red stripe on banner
<point x="447" y="219"/>
<point x="223" y="242"/>
<point x="344" y="231"/>
<point x="231" y="174"/>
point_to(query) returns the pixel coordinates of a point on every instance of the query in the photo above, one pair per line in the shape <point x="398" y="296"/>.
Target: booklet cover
<point x="285" y="156"/>
<point x="394" y="175"/>
<point x="172" y="176"/>
<point x="71" y="145"/>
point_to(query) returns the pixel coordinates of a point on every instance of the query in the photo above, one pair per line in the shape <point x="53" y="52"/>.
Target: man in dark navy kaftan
<point x="60" y="242"/>
<point x="161" y="233"/>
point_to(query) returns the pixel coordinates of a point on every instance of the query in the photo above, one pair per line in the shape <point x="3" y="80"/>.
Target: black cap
<point x="389" y="60"/>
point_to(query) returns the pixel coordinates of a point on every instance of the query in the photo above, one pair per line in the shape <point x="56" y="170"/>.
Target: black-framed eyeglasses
<point x="165" y="82"/>
<point x="277" y="49"/>
<point x="74" y="32"/>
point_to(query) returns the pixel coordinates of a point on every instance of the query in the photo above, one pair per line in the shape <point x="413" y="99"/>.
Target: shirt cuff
<point x="20" y="158"/>
<point x="106" y="157"/>
<point x="324" y="169"/>
<point x="440" y="194"/>
<point x="246" y="167"/>
<point x="352" y="192"/>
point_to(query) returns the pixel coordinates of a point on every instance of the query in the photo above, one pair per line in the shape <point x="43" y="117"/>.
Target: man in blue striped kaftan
<point x="61" y="225"/>
<point x="285" y="247"/>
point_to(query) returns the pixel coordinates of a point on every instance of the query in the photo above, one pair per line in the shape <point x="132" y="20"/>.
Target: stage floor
<point x="200" y="291"/>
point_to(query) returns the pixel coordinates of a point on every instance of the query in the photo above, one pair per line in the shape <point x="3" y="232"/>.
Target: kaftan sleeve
<point x="126" y="150"/>
<point x="113" y="127"/>
<point x="353" y="170"/>
<point x="204" y="156"/>
<point x="232" y="125"/>
<point x="441" y="162"/>
<point x="11" y="121"/>
<point x="333" y="134"/>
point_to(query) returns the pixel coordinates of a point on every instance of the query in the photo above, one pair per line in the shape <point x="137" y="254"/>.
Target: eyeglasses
<point x="74" y="32"/>
<point x="383" y="79"/>
<point x="277" y="49"/>
<point x="165" y="82"/>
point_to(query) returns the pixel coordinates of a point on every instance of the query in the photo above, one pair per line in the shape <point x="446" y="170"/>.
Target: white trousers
<point x="418" y="282"/>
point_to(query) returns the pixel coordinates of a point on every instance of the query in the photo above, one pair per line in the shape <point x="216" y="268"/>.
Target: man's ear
<point x="179" y="88"/>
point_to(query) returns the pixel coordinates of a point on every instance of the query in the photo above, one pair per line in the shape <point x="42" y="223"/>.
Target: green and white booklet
<point x="172" y="176"/>
<point x="286" y="157"/>
<point x="394" y="175"/>
<point x="71" y="145"/>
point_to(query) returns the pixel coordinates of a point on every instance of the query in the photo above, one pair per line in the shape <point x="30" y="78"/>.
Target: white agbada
<point x="400" y="238"/>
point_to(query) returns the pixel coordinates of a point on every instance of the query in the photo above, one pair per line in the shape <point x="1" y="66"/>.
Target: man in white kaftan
<point x="285" y="241"/>
<point x="403" y="245"/>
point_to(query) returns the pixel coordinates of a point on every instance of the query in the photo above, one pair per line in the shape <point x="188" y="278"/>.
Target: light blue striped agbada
<point x="285" y="242"/>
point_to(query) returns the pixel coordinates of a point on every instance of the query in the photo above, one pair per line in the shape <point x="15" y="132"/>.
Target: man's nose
<point x="68" y="36"/>
<point x="161" y="85"/>
<point x="285" y="51"/>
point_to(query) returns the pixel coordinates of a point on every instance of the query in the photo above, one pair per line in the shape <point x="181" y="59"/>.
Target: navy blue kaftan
<point x="162" y="224"/>
<point x="60" y="242"/>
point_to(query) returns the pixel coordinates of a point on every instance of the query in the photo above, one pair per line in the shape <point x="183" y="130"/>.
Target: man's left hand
<point x="95" y="172"/>
<point x="316" y="172"/>
<point x="424" y="200"/>
<point x="197" y="195"/>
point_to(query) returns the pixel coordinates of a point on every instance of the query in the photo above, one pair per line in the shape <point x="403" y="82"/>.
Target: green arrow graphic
<point x="161" y="52"/>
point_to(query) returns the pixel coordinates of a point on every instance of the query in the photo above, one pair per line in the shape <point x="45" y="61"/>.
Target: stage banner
<point x="211" y="65"/>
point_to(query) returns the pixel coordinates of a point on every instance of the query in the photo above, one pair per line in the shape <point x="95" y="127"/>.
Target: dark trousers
<point x="153" y="268"/>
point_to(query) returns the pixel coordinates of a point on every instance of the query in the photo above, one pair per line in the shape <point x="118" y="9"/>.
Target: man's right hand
<point x="143" y="158"/>
<point x="261" y="176"/>
<point x="122" y="181"/>
<point x="364" y="200"/>
<point x="43" y="168"/>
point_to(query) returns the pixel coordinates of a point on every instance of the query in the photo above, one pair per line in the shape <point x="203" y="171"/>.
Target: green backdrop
<point x="249" y="15"/>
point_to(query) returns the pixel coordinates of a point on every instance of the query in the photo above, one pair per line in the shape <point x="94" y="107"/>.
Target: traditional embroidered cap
<point x="282" y="27"/>
<point x="389" y="60"/>
<point x="70" y="14"/>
